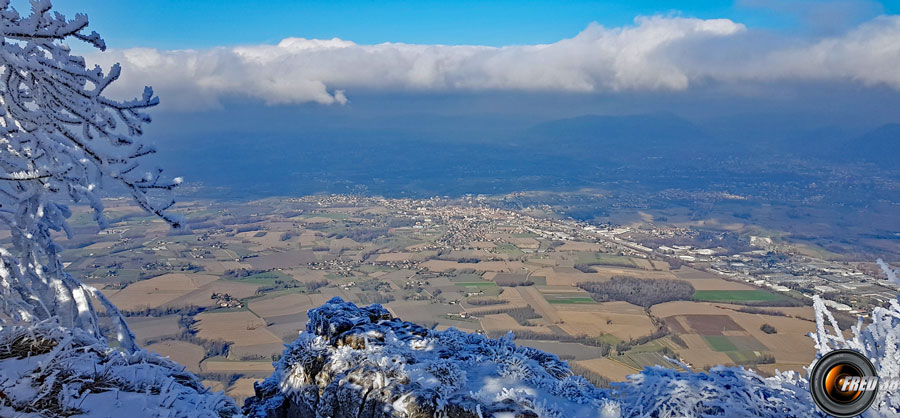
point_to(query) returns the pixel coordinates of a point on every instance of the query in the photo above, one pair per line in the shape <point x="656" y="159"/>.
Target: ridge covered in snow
<point x="361" y="362"/>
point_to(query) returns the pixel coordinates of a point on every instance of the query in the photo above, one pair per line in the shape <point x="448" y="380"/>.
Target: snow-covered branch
<point x="59" y="138"/>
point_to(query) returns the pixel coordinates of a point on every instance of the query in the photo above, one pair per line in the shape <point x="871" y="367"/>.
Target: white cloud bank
<point x="656" y="53"/>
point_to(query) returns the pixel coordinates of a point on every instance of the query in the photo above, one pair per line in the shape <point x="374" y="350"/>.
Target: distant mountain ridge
<point x="658" y="151"/>
<point x="880" y="146"/>
<point x="623" y="137"/>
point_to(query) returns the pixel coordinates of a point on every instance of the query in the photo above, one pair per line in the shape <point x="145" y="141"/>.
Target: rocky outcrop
<point x="360" y="362"/>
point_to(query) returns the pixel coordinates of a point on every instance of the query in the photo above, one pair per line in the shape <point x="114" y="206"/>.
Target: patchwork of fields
<point x="223" y="298"/>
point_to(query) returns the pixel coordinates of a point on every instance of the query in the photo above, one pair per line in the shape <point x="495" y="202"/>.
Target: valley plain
<point x="223" y="296"/>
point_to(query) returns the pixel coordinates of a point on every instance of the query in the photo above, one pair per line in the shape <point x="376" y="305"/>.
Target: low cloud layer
<point x="655" y="54"/>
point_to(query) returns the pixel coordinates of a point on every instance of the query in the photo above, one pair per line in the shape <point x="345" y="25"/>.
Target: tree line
<point x="486" y="301"/>
<point x="641" y="292"/>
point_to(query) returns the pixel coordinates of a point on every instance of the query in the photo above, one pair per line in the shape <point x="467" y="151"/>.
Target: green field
<point x="509" y="249"/>
<point x="740" y="349"/>
<point x="736" y="296"/>
<point x="538" y="280"/>
<point x="567" y="298"/>
<point x="741" y="356"/>
<point x="265" y="279"/>
<point x="486" y="288"/>
<point x="720" y="343"/>
<point x="598" y="259"/>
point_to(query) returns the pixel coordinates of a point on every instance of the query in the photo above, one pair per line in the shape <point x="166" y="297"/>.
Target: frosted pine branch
<point x="59" y="138"/>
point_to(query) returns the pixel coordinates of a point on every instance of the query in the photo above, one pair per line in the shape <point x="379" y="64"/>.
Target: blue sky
<point x="173" y="24"/>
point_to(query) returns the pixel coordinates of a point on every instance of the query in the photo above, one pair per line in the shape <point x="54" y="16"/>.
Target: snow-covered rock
<point x="49" y="371"/>
<point x="360" y="362"/>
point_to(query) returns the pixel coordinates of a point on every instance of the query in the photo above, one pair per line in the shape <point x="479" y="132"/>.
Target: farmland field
<point x="742" y="356"/>
<point x="509" y="249"/>
<point x="473" y="283"/>
<point x="266" y="279"/>
<point x="241" y="328"/>
<point x="476" y="284"/>
<point x="639" y="360"/>
<point x="242" y="389"/>
<point x="571" y="350"/>
<point x="710" y="324"/>
<point x="619" y="319"/>
<point x="600" y="259"/>
<point x="756" y="295"/>
<point x="154" y="328"/>
<point x="611" y="369"/>
<point x="183" y="352"/>
<point x="568" y="298"/>
<point x="720" y="343"/>
<point x="158" y="291"/>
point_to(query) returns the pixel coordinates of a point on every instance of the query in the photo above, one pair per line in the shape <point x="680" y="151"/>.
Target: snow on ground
<point x="46" y="370"/>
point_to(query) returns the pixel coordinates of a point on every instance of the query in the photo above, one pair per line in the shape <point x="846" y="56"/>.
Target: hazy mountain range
<point x="426" y="155"/>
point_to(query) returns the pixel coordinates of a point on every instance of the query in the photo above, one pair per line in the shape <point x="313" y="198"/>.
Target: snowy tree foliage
<point x="60" y="138"/>
<point x="879" y="340"/>
<point x="50" y="371"/>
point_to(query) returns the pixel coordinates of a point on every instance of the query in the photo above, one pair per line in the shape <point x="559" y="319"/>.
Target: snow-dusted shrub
<point x="60" y="138"/>
<point x="879" y="340"/>
<point x="449" y="373"/>
<point x="516" y="367"/>
<point x="46" y="370"/>
<point x="723" y="391"/>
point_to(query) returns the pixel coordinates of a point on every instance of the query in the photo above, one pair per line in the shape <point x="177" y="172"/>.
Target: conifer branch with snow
<point x="60" y="137"/>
